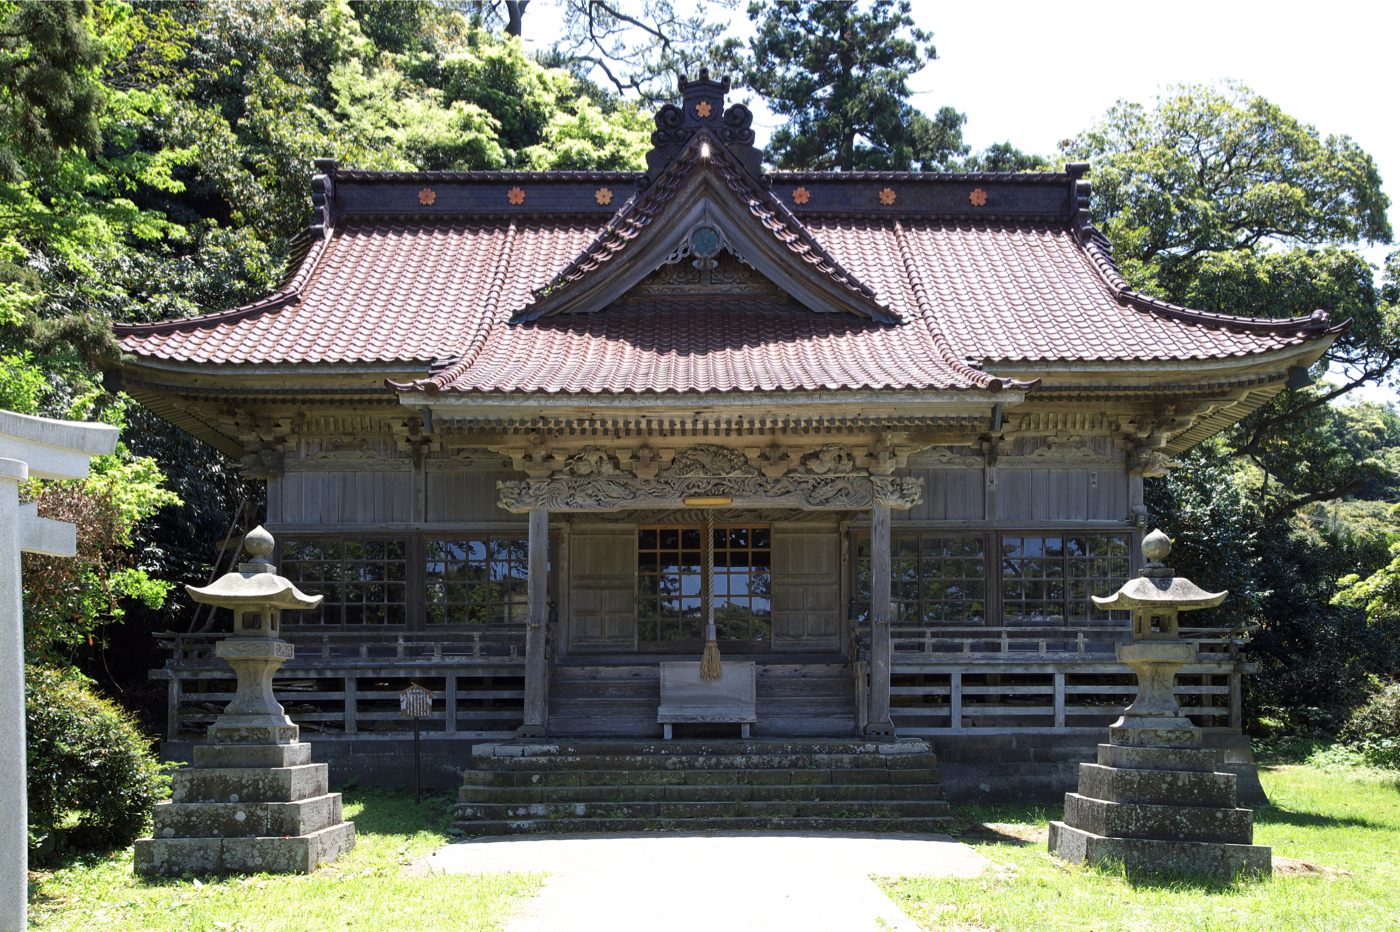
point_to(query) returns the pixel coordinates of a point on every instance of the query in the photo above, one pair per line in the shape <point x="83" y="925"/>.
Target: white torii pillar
<point x="37" y="448"/>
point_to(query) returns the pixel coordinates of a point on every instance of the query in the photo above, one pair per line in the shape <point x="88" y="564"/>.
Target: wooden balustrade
<point x="346" y="684"/>
<point x="1041" y="693"/>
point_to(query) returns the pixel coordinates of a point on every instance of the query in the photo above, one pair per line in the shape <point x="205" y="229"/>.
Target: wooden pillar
<point x="352" y="705"/>
<point x="536" y="669"/>
<point x="172" y="707"/>
<point x="880" y="725"/>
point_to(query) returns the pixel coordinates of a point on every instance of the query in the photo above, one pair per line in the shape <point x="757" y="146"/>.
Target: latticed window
<point x="482" y="580"/>
<point x="743" y="584"/>
<point x="363" y="581"/>
<point x="1042" y="579"/>
<point x="671" y="581"/>
<point x="1048" y="578"/>
<point x="936" y="579"/>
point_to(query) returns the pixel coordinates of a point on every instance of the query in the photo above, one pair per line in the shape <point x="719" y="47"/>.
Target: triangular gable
<point x="705" y="203"/>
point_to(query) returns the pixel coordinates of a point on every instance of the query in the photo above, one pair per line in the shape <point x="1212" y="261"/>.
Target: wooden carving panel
<point x="603" y="594"/>
<point x="806" y="588"/>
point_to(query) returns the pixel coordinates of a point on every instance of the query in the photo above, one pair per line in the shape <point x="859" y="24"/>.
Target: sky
<point x="1036" y="73"/>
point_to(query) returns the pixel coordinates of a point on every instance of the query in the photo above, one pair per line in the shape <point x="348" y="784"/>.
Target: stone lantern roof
<point x="255" y="584"/>
<point x="1157" y="587"/>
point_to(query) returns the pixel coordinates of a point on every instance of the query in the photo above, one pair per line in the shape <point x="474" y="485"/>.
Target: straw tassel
<point x="710" y="669"/>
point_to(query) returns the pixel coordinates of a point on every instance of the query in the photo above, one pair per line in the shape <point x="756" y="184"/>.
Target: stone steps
<point x="649" y="777"/>
<point x="620" y="786"/>
<point x="851" y="824"/>
<point x="670" y="810"/>
<point x="875" y="793"/>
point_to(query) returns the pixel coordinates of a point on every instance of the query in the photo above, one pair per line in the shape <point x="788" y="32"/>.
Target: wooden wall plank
<point x="465" y="495"/>
<point x="806" y="587"/>
<point x="603" y="587"/>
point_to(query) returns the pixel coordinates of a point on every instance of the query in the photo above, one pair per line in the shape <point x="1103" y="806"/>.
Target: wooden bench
<point x="727" y="700"/>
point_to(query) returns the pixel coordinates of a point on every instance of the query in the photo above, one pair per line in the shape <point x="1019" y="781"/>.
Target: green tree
<point x="49" y="98"/>
<point x="839" y="73"/>
<point x="1216" y="198"/>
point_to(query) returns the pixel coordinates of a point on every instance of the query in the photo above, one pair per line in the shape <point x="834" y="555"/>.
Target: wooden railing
<point x="344" y="685"/>
<point x="1036" y="693"/>
<point x="1097" y="641"/>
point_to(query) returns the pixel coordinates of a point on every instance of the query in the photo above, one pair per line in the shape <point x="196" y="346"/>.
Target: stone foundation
<point x="246" y="808"/>
<point x="1155" y="809"/>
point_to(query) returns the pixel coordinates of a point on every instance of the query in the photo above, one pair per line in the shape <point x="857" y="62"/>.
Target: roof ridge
<point x="940" y="340"/>
<point x="462" y="363"/>
<point x="906" y="176"/>
<point x="288" y="293"/>
<point x="364" y="174"/>
<point x="1100" y="253"/>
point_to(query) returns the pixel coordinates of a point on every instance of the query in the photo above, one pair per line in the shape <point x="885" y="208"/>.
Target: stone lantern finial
<point x="259" y="544"/>
<point x="1155" y="547"/>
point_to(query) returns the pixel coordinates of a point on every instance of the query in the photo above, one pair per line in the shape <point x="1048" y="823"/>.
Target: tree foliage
<point x="156" y="160"/>
<point x="839" y="73"/>
<point x="93" y="778"/>
<point x="1216" y="198"/>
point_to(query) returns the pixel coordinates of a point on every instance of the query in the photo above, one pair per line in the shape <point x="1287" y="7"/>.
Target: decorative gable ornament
<point x="705" y="201"/>
<point x="702" y="107"/>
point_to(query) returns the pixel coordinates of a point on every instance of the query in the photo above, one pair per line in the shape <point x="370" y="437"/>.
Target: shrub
<point x="1374" y="728"/>
<point x="92" y="775"/>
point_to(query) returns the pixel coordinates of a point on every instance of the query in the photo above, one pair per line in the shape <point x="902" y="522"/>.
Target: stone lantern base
<point x="1154" y="808"/>
<point x="247" y="808"/>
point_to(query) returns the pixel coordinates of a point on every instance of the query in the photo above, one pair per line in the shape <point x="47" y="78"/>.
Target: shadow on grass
<point x="1273" y="815"/>
<point x="979" y="824"/>
<point x="1173" y="880"/>
<point x="393" y="812"/>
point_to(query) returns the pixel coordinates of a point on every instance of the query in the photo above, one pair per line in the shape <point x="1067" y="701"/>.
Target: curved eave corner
<point x="1096" y="246"/>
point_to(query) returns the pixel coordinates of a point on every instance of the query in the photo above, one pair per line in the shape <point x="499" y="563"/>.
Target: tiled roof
<point x="677" y="346"/>
<point x="412" y="289"/>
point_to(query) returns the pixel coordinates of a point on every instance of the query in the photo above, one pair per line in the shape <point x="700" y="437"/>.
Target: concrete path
<point x="716" y="882"/>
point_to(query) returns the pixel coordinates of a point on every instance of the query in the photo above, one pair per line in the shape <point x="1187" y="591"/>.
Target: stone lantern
<point x="257" y="596"/>
<point x="1155" y="653"/>
<point x="1154" y="800"/>
<point x="253" y="801"/>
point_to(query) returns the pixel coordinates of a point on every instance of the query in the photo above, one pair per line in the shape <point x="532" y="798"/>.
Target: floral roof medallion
<point x="977" y="198"/>
<point x="603" y="196"/>
<point x="887" y="196"/>
<point x="516" y="195"/>
<point x="427" y="197"/>
<point x="801" y="195"/>
<point x="703" y="109"/>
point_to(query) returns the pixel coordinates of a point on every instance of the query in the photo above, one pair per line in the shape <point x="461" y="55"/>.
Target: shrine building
<point x="530" y="433"/>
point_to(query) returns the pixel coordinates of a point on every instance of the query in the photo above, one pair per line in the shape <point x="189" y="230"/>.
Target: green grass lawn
<point x="373" y="887"/>
<point x="1338" y="827"/>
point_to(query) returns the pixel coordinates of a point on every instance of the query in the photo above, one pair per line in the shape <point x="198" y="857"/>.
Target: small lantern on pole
<point x="416" y="703"/>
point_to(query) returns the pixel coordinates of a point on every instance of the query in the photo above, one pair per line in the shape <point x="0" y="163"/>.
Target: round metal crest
<point x="705" y="242"/>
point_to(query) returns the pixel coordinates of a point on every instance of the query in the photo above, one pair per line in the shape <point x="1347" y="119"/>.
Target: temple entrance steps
<point x="837" y="785"/>
<point x="619" y="699"/>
